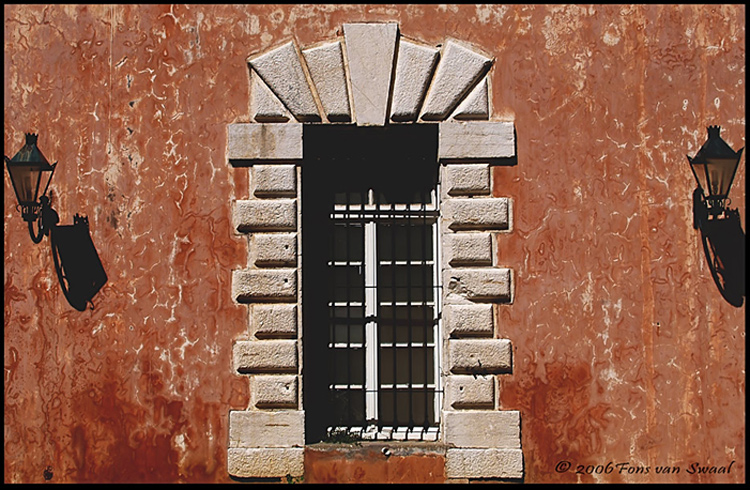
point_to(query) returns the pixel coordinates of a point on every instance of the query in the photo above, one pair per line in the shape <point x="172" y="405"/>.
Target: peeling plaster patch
<point x="497" y="12"/>
<point x="611" y="36"/>
<point x="445" y="7"/>
<point x="254" y="27"/>
<point x="587" y="297"/>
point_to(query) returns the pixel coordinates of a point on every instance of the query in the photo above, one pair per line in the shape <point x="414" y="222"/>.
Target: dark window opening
<point x="371" y="279"/>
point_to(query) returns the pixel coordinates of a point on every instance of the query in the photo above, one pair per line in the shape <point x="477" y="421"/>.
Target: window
<point x="383" y="317"/>
<point x="371" y="295"/>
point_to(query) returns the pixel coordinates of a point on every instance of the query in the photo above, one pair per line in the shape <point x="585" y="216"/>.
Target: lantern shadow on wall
<point x="714" y="168"/>
<point x="77" y="263"/>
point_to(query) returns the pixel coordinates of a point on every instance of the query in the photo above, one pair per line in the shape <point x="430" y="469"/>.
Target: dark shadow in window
<point x="399" y="159"/>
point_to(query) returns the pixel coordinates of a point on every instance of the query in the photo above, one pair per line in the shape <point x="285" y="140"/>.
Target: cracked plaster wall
<point x="623" y="348"/>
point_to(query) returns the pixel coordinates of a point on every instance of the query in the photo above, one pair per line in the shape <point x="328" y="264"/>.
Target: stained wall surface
<point x="626" y="359"/>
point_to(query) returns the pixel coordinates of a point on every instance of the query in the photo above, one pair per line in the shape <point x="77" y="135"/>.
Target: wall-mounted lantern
<point x="27" y="171"/>
<point x="714" y="168"/>
<point x="77" y="264"/>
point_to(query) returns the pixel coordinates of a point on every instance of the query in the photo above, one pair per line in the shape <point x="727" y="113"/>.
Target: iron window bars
<point x="384" y="309"/>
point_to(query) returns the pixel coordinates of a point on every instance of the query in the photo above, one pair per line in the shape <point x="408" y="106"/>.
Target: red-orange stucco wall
<point x="624" y="351"/>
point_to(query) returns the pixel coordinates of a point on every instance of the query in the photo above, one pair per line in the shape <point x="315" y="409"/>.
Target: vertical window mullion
<point x="348" y="297"/>
<point x="409" y="319"/>
<point x="371" y="334"/>
<point x="394" y="314"/>
<point x="331" y="308"/>
<point x="425" y="234"/>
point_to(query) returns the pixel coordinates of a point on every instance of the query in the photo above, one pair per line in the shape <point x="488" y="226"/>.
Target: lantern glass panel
<point x="720" y="173"/>
<point x="26" y="180"/>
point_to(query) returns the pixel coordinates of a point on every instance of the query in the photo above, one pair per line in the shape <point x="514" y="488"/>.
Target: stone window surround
<point x="348" y="81"/>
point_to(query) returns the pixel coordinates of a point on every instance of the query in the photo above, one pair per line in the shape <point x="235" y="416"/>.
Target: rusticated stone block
<point x="484" y="463"/>
<point x="274" y="249"/>
<point x="273" y="391"/>
<point x="483" y="429"/>
<point x="464" y="392"/>
<point x="468" y="249"/>
<point x="468" y="320"/>
<point x="249" y="286"/>
<point x="259" y="142"/>
<point x="486" y="213"/>
<point x="473" y="179"/>
<point x="265" y="462"/>
<point x="262" y="428"/>
<point x="476" y="140"/>
<point x="274" y="320"/>
<point x="275" y="180"/>
<point x="265" y="356"/>
<point x="479" y="356"/>
<point x="476" y="284"/>
<point x="265" y="215"/>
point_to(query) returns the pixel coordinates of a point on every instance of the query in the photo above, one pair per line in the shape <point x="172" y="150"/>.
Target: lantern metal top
<point x="30" y="155"/>
<point x="715" y="147"/>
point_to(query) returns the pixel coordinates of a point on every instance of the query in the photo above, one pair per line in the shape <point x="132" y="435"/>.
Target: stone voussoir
<point x="458" y="70"/>
<point x="414" y="70"/>
<point x="281" y="69"/>
<point x="370" y="51"/>
<point x="326" y="65"/>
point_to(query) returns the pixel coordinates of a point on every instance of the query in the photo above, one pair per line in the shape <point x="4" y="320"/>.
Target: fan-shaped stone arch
<point x="372" y="76"/>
